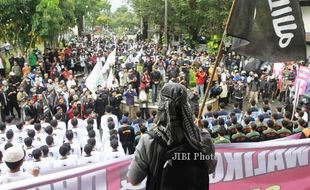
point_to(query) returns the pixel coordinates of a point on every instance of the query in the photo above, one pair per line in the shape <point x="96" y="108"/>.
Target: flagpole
<point x="296" y="100"/>
<point x="218" y="59"/>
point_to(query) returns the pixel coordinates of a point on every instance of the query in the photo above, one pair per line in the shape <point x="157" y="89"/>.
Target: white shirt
<point x="224" y="92"/>
<point x="105" y="136"/>
<point x="61" y="125"/>
<point x="44" y="125"/>
<point x="108" y="150"/>
<point x="36" y="143"/>
<point x="10" y="126"/>
<point x="249" y="79"/>
<point x="76" y="148"/>
<point x="104" y="121"/>
<point x="223" y="77"/>
<point x="3" y="144"/>
<point x="40" y="137"/>
<point x="87" y="160"/>
<point x="78" y="134"/>
<point x="42" y="165"/>
<point x="305" y="116"/>
<point x="82" y="60"/>
<point x="12" y="177"/>
<point x="49" y="160"/>
<point x="81" y="124"/>
<point x="14" y="129"/>
<point x="74" y="158"/>
<point x="69" y="162"/>
<point x="70" y="83"/>
<point x="29" y="153"/>
<point x="19" y="137"/>
<point x="58" y="136"/>
<point x="95" y="123"/>
<point x="3" y="169"/>
<point x="53" y="152"/>
<point x="2" y="138"/>
<point x="113" y="155"/>
<point x="1" y="64"/>
<point x="28" y="127"/>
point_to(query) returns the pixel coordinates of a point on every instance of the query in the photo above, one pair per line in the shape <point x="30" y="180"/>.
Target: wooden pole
<point x="165" y="46"/>
<point x="296" y="100"/>
<point x="217" y="60"/>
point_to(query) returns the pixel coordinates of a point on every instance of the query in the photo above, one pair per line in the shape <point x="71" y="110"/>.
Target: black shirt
<point x="126" y="134"/>
<point x="155" y="76"/>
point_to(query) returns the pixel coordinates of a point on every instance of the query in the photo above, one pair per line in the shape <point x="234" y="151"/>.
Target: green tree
<point x="189" y="17"/>
<point x="123" y="20"/>
<point x="68" y="8"/>
<point x="90" y="9"/>
<point x="102" y="8"/>
<point x="48" y="21"/>
<point x="16" y="22"/>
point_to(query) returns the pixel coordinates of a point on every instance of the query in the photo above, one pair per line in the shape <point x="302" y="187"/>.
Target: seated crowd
<point x="256" y="124"/>
<point x="47" y="147"/>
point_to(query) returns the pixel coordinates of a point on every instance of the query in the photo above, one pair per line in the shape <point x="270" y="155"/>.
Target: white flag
<point x="110" y="79"/>
<point x="169" y="50"/>
<point x="179" y="49"/>
<point x="95" y="78"/>
<point x="128" y="60"/>
<point x="137" y="58"/>
<point x="110" y="61"/>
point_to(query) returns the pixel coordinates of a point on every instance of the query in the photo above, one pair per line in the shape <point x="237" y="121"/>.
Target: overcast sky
<point x="116" y="4"/>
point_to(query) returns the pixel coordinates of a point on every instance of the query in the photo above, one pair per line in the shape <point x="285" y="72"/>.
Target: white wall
<point x="306" y="18"/>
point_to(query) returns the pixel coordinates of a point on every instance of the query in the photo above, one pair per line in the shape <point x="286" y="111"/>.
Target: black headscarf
<point x="176" y="119"/>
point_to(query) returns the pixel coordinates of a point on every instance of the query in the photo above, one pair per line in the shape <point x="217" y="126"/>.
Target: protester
<point x="175" y="127"/>
<point x="59" y="109"/>
<point x="14" y="159"/>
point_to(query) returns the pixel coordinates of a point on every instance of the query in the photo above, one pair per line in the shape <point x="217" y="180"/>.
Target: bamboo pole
<point x="218" y="59"/>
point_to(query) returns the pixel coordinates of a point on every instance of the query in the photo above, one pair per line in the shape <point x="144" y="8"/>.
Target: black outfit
<point x="99" y="106"/>
<point x="39" y="107"/>
<point x="155" y="78"/>
<point x="194" y="102"/>
<point x="238" y="95"/>
<point x="62" y="106"/>
<point x="176" y="174"/>
<point x="115" y="103"/>
<point x="12" y="101"/>
<point x="14" y="80"/>
<point x="136" y="85"/>
<point x="31" y="112"/>
<point x="148" y="65"/>
<point x="173" y="71"/>
<point x="186" y="71"/>
<point x="3" y="106"/>
<point x="127" y="138"/>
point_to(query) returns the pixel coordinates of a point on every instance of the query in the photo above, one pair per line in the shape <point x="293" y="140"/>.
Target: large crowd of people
<point x="48" y="112"/>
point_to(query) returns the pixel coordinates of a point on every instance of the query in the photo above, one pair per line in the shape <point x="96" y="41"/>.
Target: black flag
<point x="270" y="30"/>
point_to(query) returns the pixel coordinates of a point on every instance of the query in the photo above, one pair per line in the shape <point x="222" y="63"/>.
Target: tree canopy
<point x="192" y="17"/>
<point x="24" y="22"/>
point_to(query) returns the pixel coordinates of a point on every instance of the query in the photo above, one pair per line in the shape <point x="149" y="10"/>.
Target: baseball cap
<point x="124" y="120"/>
<point x="14" y="154"/>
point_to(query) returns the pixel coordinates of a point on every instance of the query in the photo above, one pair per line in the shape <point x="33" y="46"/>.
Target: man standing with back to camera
<point x="167" y="155"/>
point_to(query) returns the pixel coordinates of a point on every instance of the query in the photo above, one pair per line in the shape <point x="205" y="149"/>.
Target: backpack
<point x="168" y="174"/>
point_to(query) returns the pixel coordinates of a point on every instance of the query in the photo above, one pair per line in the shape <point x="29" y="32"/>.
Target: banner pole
<point x="296" y="100"/>
<point x="217" y="60"/>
